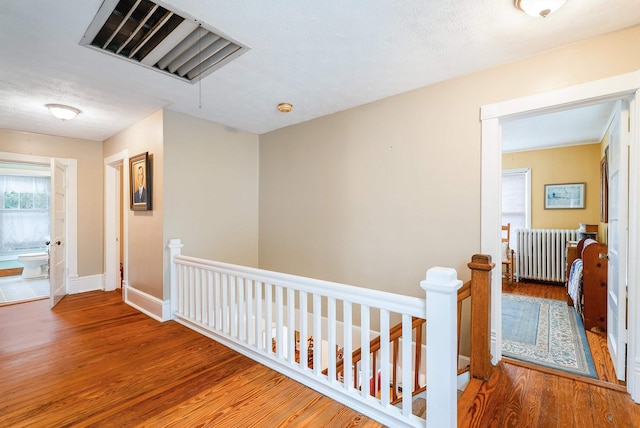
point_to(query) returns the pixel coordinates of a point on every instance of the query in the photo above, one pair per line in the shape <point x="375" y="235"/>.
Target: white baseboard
<point x="147" y="304"/>
<point x="152" y="306"/>
<point x="85" y="283"/>
<point x="463" y="379"/>
<point x="634" y="383"/>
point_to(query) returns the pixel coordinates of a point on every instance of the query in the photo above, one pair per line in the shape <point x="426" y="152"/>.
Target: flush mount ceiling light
<point x="539" y="8"/>
<point x="285" y="107"/>
<point x="63" y="112"/>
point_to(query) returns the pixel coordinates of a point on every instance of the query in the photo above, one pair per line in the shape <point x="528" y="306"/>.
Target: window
<point x="24" y="213"/>
<point x="516" y="200"/>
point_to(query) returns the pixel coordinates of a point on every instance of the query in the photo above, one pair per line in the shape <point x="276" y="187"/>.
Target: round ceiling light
<point x="539" y="8"/>
<point x="285" y="107"/>
<point x="62" y="111"/>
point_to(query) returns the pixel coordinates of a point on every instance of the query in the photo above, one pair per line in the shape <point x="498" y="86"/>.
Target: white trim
<point x="111" y="181"/>
<point x="90" y="283"/>
<point x="147" y="304"/>
<point x="72" y="217"/>
<point x="610" y="89"/>
<point x="598" y="91"/>
<point x="73" y="285"/>
<point x="633" y="332"/>
<point x="463" y="379"/>
<point x="490" y="216"/>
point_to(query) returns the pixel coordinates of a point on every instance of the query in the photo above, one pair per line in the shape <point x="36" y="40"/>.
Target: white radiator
<point x="540" y="253"/>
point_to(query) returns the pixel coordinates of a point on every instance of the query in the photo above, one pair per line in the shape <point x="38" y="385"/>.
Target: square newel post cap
<point x="175" y="243"/>
<point x="441" y="280"/>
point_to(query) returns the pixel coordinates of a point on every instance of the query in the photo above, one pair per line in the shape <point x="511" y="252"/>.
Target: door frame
<point x="112" y="183"/>
<point x="72" y="209"/>
<point x="492" y="115"/>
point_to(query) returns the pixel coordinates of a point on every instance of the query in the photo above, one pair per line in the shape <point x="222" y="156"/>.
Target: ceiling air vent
<point x="154" y="36"/>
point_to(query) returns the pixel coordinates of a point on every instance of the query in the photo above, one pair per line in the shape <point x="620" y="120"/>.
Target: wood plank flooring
<point x="517" y="396"/>
<point x="94" y="361"/>
<point x="521" y="395"/>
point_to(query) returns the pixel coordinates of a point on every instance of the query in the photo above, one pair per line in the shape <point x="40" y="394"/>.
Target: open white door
<point x="58" y="246"/>
<point x="618" y="231"/>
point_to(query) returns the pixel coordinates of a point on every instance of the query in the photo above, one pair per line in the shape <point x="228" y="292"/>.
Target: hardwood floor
<point x="518" y="396"/>
<point x="94" y="361"/>
<point x="523" y="395"/>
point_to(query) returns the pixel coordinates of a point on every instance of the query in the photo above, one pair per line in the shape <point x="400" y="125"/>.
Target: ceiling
<point x="322" y="57"/>
<point x="584" y="125"/>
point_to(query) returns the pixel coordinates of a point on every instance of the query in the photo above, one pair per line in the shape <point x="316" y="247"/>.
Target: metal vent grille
<point x="154" y="36"/>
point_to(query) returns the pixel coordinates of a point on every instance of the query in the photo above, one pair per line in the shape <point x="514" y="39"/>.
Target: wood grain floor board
<point x="94" y="361"/>
<point x="532" y="399"/>
<point x="548" y="416"/>
<point x="516" y="396"/>
<point x="566" y="402"/>
<point x="495" y="399"/>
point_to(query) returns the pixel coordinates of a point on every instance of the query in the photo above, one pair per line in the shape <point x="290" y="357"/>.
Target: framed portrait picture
<point x="140" y="179"/>
<point x="564" y="196"/>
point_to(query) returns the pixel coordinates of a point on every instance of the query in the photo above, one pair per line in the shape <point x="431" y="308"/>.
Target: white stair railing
<point x="260" y="313"/>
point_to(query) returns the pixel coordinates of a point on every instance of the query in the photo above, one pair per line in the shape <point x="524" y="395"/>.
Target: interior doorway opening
<point x="115" y="195"/>
<point x="493" y="118"/>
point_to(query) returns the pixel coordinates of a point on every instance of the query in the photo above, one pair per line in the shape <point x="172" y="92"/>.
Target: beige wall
<point x="575" y="164"/>
<point x="377" y="194"/>
<point x="205" y="192"/>
<point x="145" y="240"/>
<point x="211" y="189"/>
<point x="89" y="156"/>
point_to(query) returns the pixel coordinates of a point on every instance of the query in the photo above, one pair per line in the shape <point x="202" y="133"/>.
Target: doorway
<point x="25" y="225"/>
<point x="565" y="146"/>
<point x="69" y="282"/>
<point x="116" y="184"/>
<point x="493" y="116"/>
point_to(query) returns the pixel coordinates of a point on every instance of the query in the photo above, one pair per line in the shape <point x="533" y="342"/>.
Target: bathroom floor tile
<point x="15" y="289"/>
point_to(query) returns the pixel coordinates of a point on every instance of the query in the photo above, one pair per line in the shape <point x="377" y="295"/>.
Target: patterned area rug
<point x="545" y="332"/>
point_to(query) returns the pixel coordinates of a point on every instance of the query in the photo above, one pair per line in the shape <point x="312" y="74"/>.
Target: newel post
<point x="175" y="249"/>
<point x="481" y="267"/>
<point x="441" y="286"/>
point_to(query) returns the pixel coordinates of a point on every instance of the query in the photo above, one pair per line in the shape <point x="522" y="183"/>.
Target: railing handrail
<point x="413" y="306"/>
<point x="396" y="332"/>
<point x="256" y="312"/>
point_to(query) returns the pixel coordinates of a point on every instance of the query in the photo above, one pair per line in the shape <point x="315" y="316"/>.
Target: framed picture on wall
<point x="564" y="196"/>
<point x="140" y="179"/>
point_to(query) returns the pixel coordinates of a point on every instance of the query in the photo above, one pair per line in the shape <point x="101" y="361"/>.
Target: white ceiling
<point x="585" y="125"/>
<point x="322" y="56"/>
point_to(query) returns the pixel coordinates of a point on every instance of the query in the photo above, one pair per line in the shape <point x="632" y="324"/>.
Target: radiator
<point x="540" y="253"/>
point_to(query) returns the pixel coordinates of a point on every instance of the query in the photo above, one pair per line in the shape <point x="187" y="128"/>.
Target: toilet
<point x="36" y="265"/>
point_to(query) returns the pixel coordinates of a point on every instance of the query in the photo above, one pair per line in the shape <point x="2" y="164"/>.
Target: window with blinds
<point x="516" y="200"/>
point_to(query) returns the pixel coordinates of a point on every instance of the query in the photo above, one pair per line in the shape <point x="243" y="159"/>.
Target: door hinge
<point x="629" y="124"/>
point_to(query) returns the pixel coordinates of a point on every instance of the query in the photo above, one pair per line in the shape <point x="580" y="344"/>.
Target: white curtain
<point x="24" y="213"/>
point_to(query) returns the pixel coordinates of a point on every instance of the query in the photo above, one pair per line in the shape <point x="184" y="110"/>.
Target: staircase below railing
<point x="261" y="314"/>
<point x="480" y="290"/>
<point x="395" y="334"/>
